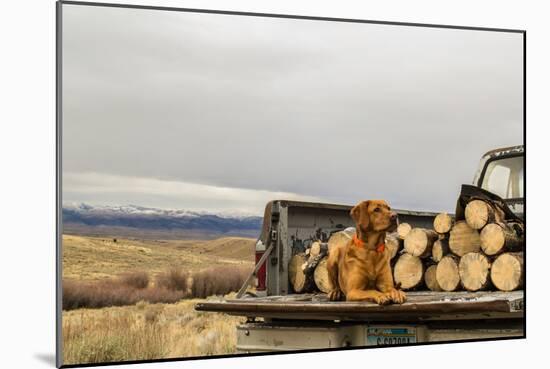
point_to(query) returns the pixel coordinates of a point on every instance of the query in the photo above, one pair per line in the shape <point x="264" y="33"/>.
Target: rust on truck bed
<point x="420" y="306"/>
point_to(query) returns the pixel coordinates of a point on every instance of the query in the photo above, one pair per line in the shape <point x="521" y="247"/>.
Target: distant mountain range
<point x="138" y="220"/>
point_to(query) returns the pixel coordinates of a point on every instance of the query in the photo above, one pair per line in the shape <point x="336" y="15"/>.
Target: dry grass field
<point x="147" y="330"/>
<point x="92" y="258"/>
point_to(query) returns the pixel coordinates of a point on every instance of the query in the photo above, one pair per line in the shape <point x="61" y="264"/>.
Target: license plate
<point x="390" y="335"/>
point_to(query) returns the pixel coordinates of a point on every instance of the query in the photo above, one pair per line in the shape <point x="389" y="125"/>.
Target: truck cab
<point x="502" y="172"/>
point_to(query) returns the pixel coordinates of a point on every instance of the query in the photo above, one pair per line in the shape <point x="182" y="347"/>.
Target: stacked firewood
<point x="307" y="271"/>
<point x="482" y="252"/>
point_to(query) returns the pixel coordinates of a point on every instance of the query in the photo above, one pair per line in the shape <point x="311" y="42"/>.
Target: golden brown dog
<point x="360" y="269"/>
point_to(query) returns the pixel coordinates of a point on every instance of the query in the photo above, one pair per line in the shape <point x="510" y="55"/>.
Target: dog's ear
<point x="356" y="211"/>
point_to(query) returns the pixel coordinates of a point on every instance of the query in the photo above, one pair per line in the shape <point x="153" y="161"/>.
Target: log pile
<point x="468" y="250"/>
<point x="483" y="251"/>
<point x="307" y="271"/>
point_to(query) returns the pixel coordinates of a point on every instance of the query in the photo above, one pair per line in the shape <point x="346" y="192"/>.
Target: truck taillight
<point x="261" y="275"/>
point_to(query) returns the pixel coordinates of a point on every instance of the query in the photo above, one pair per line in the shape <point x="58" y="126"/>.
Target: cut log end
<point x="393" y="244"/>
<point x="430" y="278"/>
<point x="440" y="249"/>
<point x="443" y="223"/>
<point x="299" y="281"/>
<point x="507" y="271"/>
<point x="419" y="242"/>
<point x="408" y="271"/>
<point x="447" y="273"/>
<point x="496" y="238"/>
<point x="403" y="229"/>
<point x="464" y="239"/>
<point x="321" y="278"/>
<point x="474" y="271"/>
<point x="492" y="239"/>
<point x="315" y="249"/>
<point x="318" y="249"/>
<point x="478" y="213"/>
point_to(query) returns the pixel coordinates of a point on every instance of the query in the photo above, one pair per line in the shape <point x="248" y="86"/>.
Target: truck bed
<point x="420" y="306"/>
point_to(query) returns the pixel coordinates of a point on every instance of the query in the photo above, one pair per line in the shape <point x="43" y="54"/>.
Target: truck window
<point x="504" y="177"/>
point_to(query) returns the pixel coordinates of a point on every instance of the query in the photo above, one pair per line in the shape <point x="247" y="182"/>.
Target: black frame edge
<point x="58" y="194"/>
<point x="288" y="16"/>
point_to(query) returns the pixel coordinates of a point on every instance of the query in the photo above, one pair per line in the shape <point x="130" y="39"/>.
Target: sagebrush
<point x="169" y="287"/>
<point x="218" y="281"/>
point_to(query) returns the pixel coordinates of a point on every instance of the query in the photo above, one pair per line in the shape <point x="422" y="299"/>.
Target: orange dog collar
<point x="357" y="242"/>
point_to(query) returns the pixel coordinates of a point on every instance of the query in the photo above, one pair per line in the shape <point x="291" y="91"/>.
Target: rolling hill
<point x="97" y="257"/>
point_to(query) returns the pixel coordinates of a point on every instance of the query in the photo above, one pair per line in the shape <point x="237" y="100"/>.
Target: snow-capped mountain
<point x="146" y="218"/>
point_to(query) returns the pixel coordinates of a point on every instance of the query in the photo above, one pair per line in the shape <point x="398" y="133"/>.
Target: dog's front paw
<point x="382" y="299"/>
<point x="397" y="296"/>
<point x="335" y="295"/>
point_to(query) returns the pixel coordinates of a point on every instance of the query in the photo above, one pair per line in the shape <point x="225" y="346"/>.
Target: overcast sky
<point x="224" y="113"/>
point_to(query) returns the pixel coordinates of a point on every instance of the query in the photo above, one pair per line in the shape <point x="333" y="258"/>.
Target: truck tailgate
<point x="420" y="306"/>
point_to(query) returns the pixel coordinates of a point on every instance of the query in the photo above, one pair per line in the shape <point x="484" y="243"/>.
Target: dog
<point x="360" y="269"/>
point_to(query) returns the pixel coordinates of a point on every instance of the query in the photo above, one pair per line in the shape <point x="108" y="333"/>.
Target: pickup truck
<point x="278" y="320"/>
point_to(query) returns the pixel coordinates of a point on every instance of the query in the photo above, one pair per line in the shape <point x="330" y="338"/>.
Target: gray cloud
<point x="330" y="110"/>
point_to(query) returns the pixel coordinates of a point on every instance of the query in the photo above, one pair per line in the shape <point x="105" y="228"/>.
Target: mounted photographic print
<point x="235" y="184"/>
